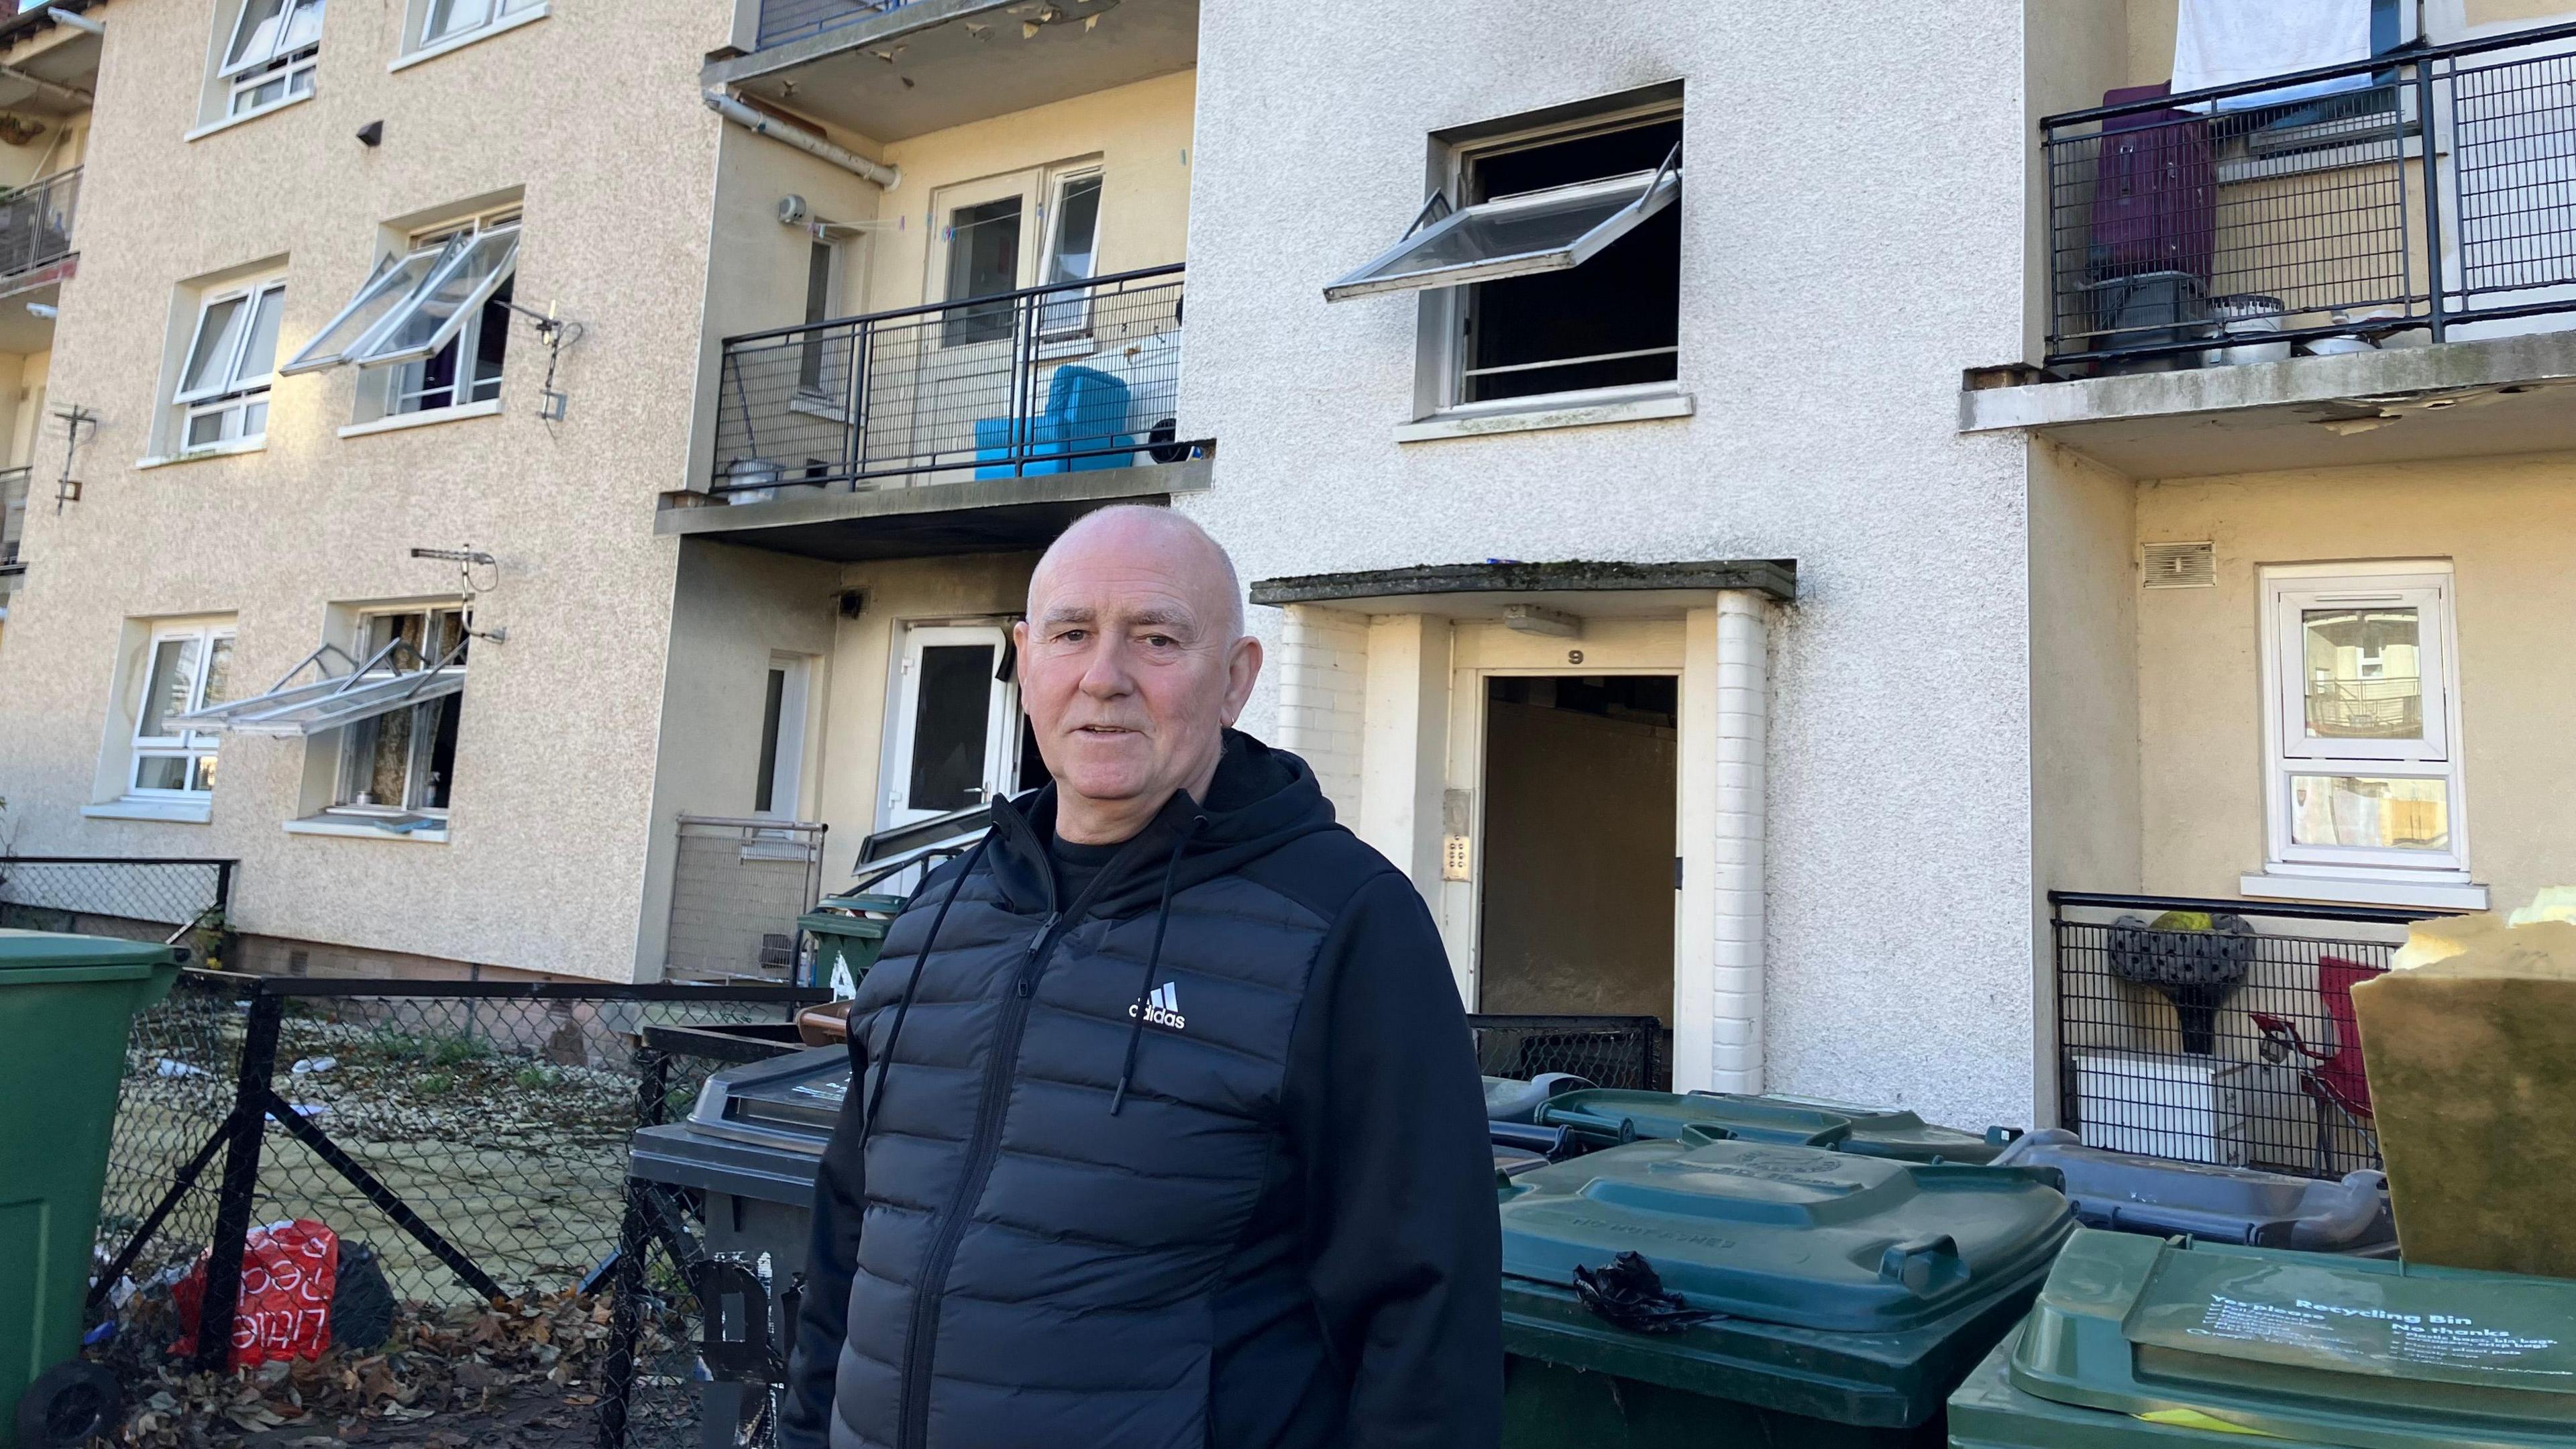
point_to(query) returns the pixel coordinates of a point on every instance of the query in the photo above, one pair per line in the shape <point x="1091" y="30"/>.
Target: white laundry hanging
<point x="2221" y="42"/>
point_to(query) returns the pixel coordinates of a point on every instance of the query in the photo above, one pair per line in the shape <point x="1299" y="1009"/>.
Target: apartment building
<point x="45" y="93"/>
<point x="1744" y="513"/>
<point x="378" y="335"/>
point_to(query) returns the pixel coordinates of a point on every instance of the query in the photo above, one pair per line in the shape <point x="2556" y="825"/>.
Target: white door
<point x="956" y="728"/>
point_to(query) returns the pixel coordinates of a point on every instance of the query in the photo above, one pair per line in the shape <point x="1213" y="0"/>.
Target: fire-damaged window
<point x="1549" y="261"/>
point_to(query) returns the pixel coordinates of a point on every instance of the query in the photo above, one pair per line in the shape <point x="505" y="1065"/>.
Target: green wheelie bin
<point x="1847" y="1295"/>
<point x="2141" y="1343"/>
<point x="848" y="932"/>
<point x="66" y="1003"/>
<point x="1603" y="1116"/>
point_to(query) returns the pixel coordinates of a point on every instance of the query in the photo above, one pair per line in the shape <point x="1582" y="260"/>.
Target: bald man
<point x="1165" y="1127"/>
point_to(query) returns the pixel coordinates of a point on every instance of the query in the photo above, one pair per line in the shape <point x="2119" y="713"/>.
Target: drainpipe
<point x="78" y="21"/>
<point x="812" y="145"/>
<point x="1743" y="732"/>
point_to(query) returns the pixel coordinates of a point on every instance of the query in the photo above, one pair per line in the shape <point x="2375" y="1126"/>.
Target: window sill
<point x="2351" y="891"/>
<point x="459" y="42"/>
<point x="176" y="812"/>
<point x="1562" y="410"/>
<point x="431" y="418"/>
<point x="814" y="405"/>
<point x="360" y="830"/>
<point x="211" y="450"/>
<point x="245" y="118"/>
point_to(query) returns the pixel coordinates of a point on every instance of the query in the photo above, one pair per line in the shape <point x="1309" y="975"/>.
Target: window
<point x="446" y="20"/>
<point x="1558" y="270"/>
<point x="275" y="49"/>
<point x="776" y="781"/>
<point x="186" y="668"/>
<point x="2365" y="760"/>
<point x="1009" y="233"/>
<point x="956" y="725"/>
<point x="399" y="765"/>
<point x="224" y="377"/>
<point x="822" y="261"/>
<point x="431" y="324"/>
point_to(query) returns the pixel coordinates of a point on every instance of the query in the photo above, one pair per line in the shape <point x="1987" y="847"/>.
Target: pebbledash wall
<point x="1851" y="239"/>
<point x="544" y="862"/>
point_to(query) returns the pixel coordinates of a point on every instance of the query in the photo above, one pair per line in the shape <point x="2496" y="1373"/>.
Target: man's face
<point x="1129" y="666"/>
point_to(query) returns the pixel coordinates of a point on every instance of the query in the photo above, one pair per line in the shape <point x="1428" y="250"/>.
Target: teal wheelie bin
<point x="66" y="1003"/>
<point x="1842" y="1297"/>
<point x="1605" y="1116"/>
<point x="2140" y="1343"/>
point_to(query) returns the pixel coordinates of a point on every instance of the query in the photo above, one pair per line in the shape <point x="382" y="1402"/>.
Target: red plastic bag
<point x="288" y="1273"/>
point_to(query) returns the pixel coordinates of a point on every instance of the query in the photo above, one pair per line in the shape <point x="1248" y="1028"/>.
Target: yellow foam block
<point x="2472" y="1060"/>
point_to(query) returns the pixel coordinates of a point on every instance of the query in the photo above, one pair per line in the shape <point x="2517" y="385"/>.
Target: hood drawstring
<point x="912" y="984"/>
<point x="1153" y="959"/>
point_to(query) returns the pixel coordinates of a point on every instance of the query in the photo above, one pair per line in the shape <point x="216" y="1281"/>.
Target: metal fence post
<point x="626" y="1309"/>
<point x="233" y="1203"/>
<point x="2434" y="280"/>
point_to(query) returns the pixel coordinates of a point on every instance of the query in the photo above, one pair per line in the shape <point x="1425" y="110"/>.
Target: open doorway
<point x="1579" y="831"/>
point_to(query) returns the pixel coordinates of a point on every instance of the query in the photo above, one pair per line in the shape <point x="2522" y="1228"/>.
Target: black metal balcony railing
<point x="13" y="516"/>
<point x="1064" y="378"/>
<point x="2226" y="1036"/>
<point x="2441" y="191"/>
<point x="784" y="20"/>
<point x="36" y="222"/>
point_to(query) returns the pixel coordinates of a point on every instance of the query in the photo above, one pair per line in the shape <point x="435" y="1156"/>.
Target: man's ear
<point x="1242" y="670"/>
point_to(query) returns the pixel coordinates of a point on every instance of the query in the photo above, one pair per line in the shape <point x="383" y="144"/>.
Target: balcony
<point x="971" y="426"/>
<point x="36" y="229"/>
<point x="893" y="69"/>
<point x="13" y="525"/>
<point x="2241" y="282"/>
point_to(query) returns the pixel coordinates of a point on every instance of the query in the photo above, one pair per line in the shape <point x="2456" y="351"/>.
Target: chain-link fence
<point x="473" y="1134"/>
<point x="1612" y="1051"/>
<point x="139" y="899"/>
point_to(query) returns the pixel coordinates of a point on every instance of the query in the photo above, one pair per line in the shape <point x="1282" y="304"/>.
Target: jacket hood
<point x="1260" y="800"/>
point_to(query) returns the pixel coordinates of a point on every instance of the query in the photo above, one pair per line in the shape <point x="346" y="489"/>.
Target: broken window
<point x="401" y="762"/>
<point x="1558" y="269"/>
<point x="433" y="324"/>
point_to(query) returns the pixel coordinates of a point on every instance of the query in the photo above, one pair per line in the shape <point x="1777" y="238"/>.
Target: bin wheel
<point x="68" y="1405"/>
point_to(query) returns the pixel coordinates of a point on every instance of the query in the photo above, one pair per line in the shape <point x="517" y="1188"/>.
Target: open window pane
<point x="1513" y="236"/>
<point x="255" y="37"/>
<point x="169" y="690"/>
<point x="1074" y="256"/>
<point x="259" y="351"/>
<point x="453" y="17"/>
<point x="2370" y="813"/>
<point x="303" y="27"/>
<point x="951" y="727"/>
<point x="2363" y="677"/>
<point x="430" y="320"/>
<point x="388" y="290"/>
<point x="210" y="357"/>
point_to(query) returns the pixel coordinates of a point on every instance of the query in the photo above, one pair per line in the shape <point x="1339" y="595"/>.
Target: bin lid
<point x="2128" y="1193"/>
<point x="1507" y="1100"/>
<point x="1792" y="1235"/>
<point x="1609" y="1115"/>
<point x="865" y="928"/>
<point x="61" y="957"/>
<point x="790" y="1101"/>
<point x="2354" y="1351"/>
<point x="680" y="1155"/>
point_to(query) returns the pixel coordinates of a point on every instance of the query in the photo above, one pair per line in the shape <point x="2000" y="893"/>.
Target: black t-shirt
<point x="1076" y="866"/>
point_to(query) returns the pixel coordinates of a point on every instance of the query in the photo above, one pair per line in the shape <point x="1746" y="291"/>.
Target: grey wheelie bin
<point x="1605" y="1116"/>
<point x="751" y="1148"/>
<point x="1848" y="1295"/>
<point x="2126" y="1193"/>
<point x="2137" y="1343"/>
<point x="66" y="1005"/>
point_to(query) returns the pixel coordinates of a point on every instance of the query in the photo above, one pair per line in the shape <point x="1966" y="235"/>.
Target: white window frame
<point x="191" y="746"/>
<point x="2426" y="586"/>
<point x="1441" y="355"/>
<point x="273" y="62"/>
<point x="787" y="752"/>
<point x="1066" y="318"/>
<point x="494" y="14"/>
<point x="351" y="765"/>
<point x="1001" y="721"/>
<point x="437" y="256"/>
<point x="236" y="394"/>
<point x="1041" y="192"/>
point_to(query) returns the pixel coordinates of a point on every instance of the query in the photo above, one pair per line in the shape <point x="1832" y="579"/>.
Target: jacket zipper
<point x="921" y="1340"/>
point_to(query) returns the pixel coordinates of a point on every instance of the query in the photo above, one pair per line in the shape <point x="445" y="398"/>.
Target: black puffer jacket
<point x="1196" y="1160"/>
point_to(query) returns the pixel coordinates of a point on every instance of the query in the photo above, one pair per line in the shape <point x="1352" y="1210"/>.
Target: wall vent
<point x="2179" y="566"/>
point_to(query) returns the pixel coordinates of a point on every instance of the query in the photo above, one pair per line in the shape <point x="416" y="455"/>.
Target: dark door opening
<point x="1580" y="825"/>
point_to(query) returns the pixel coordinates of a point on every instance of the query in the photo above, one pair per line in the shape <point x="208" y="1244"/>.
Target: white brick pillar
<point x="1322" y="692"/>
<point x="1718" y="967"/>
